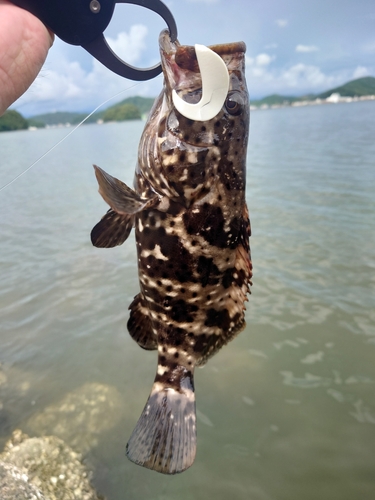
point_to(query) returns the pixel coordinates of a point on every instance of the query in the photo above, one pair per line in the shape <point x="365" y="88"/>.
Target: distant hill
<point x="58" y="118"/>
<point x="274" y="99"/>
<point x="143" y="104"/>
<point x="122" y="112"/>
<point x="359" y="87"/>
<point x="12" y="120"/>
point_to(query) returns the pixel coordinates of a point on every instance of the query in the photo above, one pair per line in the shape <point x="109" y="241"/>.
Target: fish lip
<point x="180" y="64"/>
<point x="167" y="47"/>
<point x="186" y="57"/>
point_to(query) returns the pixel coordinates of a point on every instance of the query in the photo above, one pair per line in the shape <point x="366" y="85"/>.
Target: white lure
<point x="215" y="85"/>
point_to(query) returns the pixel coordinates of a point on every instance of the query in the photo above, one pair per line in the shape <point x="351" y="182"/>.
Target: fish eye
<point x="234" y="103"/>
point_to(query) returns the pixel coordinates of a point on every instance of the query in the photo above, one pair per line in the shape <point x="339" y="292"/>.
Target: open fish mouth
<point x="185" y="56"/>
<point x="198" y="77"/>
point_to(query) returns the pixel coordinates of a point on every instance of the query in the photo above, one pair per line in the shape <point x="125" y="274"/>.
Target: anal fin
<point x="112" y="230"/>
<point x="139" y="325"/>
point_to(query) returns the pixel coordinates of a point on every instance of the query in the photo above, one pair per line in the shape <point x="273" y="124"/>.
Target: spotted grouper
<point x="192" y="233"/>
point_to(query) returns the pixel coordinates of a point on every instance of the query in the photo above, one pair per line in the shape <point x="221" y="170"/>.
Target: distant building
<point x="334" y="98"/>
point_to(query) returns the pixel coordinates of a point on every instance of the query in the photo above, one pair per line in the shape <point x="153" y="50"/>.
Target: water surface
<point x="287" y="410"/>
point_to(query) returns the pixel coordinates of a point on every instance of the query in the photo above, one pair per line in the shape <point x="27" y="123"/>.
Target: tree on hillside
<point x="12" y="120"/>
<point x="144" y="104"/>
<point x="121" y="113"/>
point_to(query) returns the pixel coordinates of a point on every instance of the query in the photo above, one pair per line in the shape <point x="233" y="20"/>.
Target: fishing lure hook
<point x="215" y="86"/>
<point x="82" y="22"/>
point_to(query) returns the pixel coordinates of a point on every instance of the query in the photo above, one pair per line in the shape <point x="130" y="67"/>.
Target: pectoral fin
<point x="119" y="196"/>
<point x="112" y="230"/>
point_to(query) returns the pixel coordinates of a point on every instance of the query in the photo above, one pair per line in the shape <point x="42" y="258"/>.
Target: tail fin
<point x="164" y="438"/>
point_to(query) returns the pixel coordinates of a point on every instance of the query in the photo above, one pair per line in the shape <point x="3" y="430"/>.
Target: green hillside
<point x="274" y="99"/>
<point x="59" y="117"/>
<point x="12" y="120"/>
<point x="122" y="112"/>
<point x="359" y="87"/>
<point x="142" y="105"/>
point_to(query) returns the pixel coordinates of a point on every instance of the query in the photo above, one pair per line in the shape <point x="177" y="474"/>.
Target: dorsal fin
<point x="119" y="196"/>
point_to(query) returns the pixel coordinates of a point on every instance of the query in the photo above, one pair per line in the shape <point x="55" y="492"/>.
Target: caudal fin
<point x="164" y="438"/>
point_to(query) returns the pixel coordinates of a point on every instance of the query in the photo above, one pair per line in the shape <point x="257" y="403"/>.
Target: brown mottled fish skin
<point x="192" y="232"/>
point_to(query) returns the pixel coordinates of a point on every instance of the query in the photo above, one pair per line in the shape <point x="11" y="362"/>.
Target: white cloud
<point x="129" y="46"/>
<point x="295" y="80"/>
<point x="302" y="75"/>
<point x="306" y="48"/>
<point x="281" y="23"/>
<point x="257" y="66"/>
<point x="259" y="60"/>
<point x="360" y="71"/>
<point x="69" y="84"/>
<point x="263" y="60"/>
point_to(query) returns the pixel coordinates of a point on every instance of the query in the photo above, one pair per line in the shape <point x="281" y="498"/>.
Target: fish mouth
<point x="186" y="57"/>
<point x="183" y="79"/>
<point x="180" y="63"/>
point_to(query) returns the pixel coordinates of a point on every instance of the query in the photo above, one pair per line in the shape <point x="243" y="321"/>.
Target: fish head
<point x="188" y="152"/>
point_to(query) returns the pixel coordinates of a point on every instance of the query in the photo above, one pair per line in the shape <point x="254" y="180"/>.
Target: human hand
<point x="24" y="44"/>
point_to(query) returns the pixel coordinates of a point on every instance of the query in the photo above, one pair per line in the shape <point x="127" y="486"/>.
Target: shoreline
<point x="332" y="99"/>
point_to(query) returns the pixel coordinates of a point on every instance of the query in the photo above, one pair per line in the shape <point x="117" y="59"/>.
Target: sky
<point x="294" y="47"/>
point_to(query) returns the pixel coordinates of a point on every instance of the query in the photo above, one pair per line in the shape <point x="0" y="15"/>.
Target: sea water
<point x="287" y="410"/>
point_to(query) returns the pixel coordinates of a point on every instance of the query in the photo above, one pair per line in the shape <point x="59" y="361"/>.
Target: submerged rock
<point x="81" y="416"/>
<point x="43" y="466"/>
<point x="14" y="484"/>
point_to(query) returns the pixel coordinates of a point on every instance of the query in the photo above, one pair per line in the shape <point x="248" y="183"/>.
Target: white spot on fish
<point x="192" y="157"/>
<point x="164" y="204"/>
<point x="156" y="252"/>
<point x="162" y="369"/>
<point x="184" y="175"/>
<point x="170" y="160"/>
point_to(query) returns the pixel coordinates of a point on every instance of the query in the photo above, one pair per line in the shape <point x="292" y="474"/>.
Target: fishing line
<point x="65" y="137"/>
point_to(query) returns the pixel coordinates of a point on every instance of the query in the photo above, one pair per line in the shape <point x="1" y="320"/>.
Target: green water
<point x="287" y="410"/>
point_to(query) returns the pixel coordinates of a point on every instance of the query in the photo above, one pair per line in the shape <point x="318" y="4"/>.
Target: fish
<point x="192" y="233"/>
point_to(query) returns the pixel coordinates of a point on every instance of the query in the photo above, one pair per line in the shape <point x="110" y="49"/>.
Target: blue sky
<point x="293" y="47"/>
